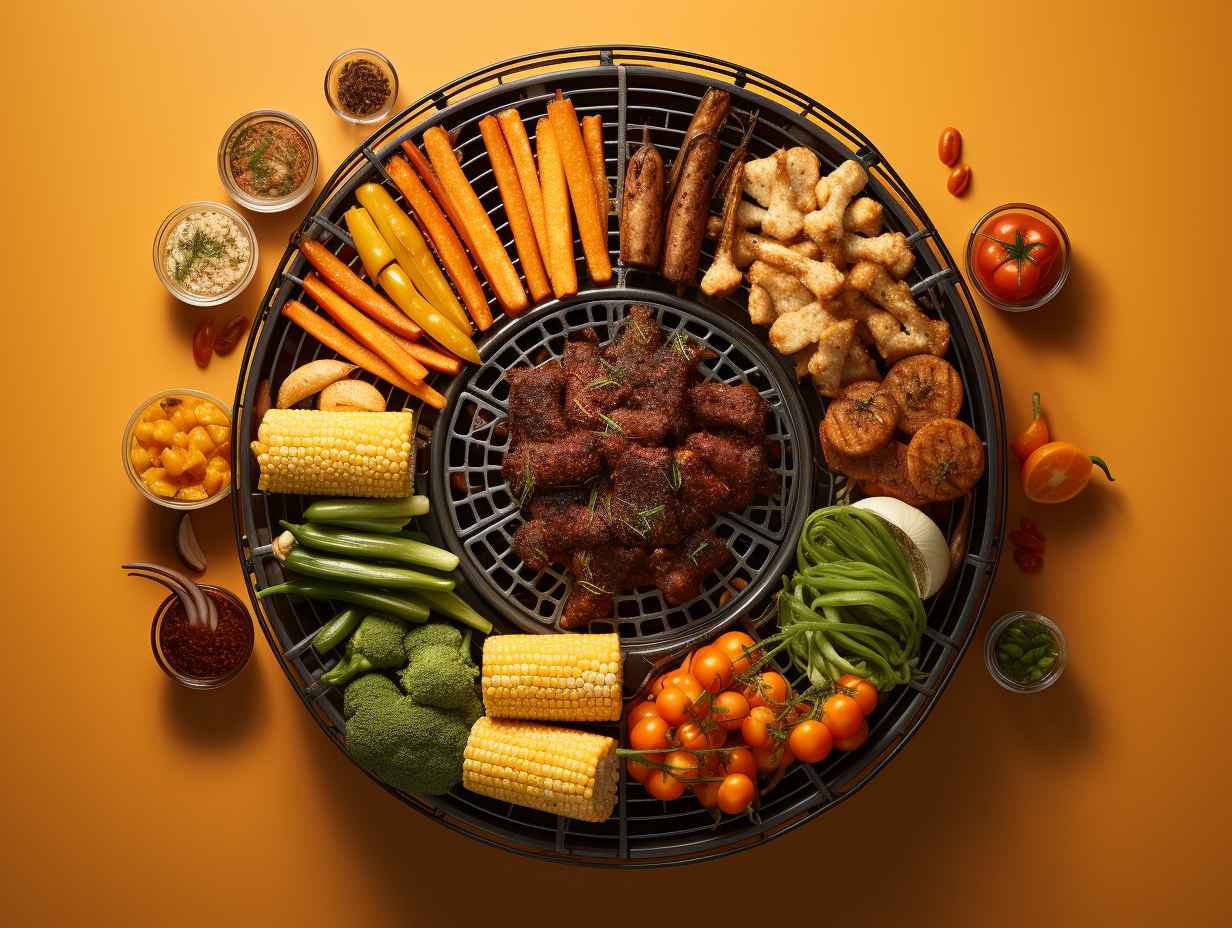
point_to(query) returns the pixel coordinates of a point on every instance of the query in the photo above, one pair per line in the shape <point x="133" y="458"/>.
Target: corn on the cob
<point x="335" y="453"/>
<point x="571" y="773"/>
<point x="558" y="678"/>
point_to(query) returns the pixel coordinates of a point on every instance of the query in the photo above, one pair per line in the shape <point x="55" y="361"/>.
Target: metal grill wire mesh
<point x="660" y="88"/>
<point x="469" y="492"/>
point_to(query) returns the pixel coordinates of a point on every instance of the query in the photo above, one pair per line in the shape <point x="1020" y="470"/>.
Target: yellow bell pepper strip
<point x="411" y="251"/>
<point x="374" y="251"/>
<point x="397" y="284"/>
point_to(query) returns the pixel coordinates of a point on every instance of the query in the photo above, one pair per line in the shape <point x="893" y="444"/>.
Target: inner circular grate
<point x="470" y="441"/>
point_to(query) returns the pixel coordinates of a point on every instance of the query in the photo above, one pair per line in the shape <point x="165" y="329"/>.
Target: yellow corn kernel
<point x="153" y="475"/>
<point x="194" y="463"/>
<point x="184" y="418"/>
<point x="218" y="463"/>
<point x="192" y="493"/>
<point x="200" y="439"/>
<point x="164" y="431"/>
<point x="560" y="678"/>
<point x="215" y="480"/>
<point x="144" y="432"/>
<point x="180" y="440"/>
<point x="175" y="460"/>
<point x="140" y="458"/>
<point x="164" y="488"/>
<point x="224" y="451"/>
<point x="154" y="412"/>
<point x="220" y="433"/>
<point x="209" y="414"/>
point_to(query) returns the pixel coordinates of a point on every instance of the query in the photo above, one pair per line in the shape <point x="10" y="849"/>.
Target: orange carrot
<point x="433" y="183"/>
<point x="429" y="357"/>
<point x="489" y="251"/>
<point x="515" y="208"/>
<point x="444" y="240"/>
<point x="562" y="266"/>
<point x="362" y="296"/>
<point x="519" y="148"/>
<point x="363" y="329"/>
<point x="581" y="187"/>
<point x="592" y="135"/>
<point x="356" y="353"/>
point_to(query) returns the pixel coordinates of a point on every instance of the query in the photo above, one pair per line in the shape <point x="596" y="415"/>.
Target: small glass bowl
<point x="267" y="204"/>
<point x="198" y="683"/>
<point x="127" y="443"/>
<point x="331" y="85"/>
<point x="160" y="254"/>
<point x="990" y="652"/>
<point x="1036" y="213"/>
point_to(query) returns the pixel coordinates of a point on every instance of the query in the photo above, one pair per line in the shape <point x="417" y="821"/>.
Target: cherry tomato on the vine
<point x="863" y="692"/>
<point x="756" y="728"/>
<point x="642" y="710"/>
<point x="740" y="648"/>
<point x="841" y="714"/>
<point x="650" y="734"/>
<point x="662" y="785"/>
<point x="707" y="793"/>
<point x="730" y="709"/>
<point x="771" y="689"/>
<point x="854" y="741"/>
<point x="740" y="760"/>
<point x="712" y="668"/>
<point x="693" y="736"/>
<point x="684" y="765"/>
<point x="736" y="793"/>
<point x="810" y="741"/>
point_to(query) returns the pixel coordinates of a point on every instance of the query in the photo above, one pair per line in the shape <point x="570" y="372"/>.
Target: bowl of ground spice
<point x="361" y="86"/>
<point x="268" y="161"/>
<point x="192" y="653"/>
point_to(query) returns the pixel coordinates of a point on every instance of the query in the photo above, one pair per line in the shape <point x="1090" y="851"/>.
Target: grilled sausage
<point x="707" y="120"/>
<point x="689" y="208"/>
<point x="641" y="209"/>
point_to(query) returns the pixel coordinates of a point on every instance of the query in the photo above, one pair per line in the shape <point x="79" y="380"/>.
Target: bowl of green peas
<point x="1025" y="652"/>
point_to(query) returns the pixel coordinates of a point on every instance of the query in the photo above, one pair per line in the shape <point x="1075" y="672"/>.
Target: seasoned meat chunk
<point x="722" y="406"/>
<point x="637" y="342"/>
<point x="700" y="493"/>
<point x="598" y="576"/>
<point x="739" y="461"/>
<point x="593" y="385"/>
<point x="562" y="522"/>
<point x="679" y="571"/>
<point x="535" y="402"/>
<point x="530" y="465"/>
<point x="644" y="501"/>
<point x="662" y="387"/>
<point x="642" y="426"/>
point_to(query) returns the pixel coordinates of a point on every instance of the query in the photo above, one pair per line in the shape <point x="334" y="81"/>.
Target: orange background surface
<point x="129" y="801"/>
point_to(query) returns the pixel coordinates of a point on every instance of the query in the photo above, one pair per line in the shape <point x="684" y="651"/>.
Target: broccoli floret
<point x="375" y="645"/>
<point x="369" y="687"/>
<point x="421" y="636"/>
<point x="439" y="675"/>
<point x="411" y="747"/>
<point x="471" y="710"/>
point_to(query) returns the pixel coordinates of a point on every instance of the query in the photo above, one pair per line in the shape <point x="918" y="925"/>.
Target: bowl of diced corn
<point x="177" y="449"/>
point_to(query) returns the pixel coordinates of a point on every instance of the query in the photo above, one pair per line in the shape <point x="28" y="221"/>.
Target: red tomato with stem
<point x="755" y="730"/>
<point x="771" y="689"/>
<point x="693" y="736"/>
<point x="1017" y="257"/>
<point x="736" y="793"/>
<point x="740" y="648"/>
<point x="740" y="760"/>
<point x="707" y="793"/>
<point x="684" y="765"/>
<point x="662" y="785"/>
<point x="650" y="734"/>
<point x="863" y="692"/>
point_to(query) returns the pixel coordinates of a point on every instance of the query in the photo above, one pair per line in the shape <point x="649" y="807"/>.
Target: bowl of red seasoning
<point x="267" y="160"/>
<point x="1018" y="257"/>
<point x="361" y="86"/>
<point x="194" y="655"/>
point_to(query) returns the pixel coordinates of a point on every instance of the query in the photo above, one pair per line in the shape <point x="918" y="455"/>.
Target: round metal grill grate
<point x="630" y="86"/>
<point x="480" y="515"/>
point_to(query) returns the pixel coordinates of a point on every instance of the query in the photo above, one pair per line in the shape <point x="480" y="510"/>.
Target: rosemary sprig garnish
<point x="584" y="560"/>
<point x="594" y="498"/>
<point x="682" y="345"/>
<point x="201" y="245"/>
<point x="612" y="424"/>
<point x="257" y="162"/>
<point x="593" y="588"/>
<point x="528" y="484"/>
<point x="693" y="555"/>
<point x="674" y="479"/>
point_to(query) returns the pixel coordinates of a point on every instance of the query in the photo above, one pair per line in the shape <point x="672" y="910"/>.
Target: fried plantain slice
<point x="857" y="468"/>
<point x="945" y="459"/>
<point x="861" y="420"/>
<point x="925" y="388"/>
<point x="889" y="473"/>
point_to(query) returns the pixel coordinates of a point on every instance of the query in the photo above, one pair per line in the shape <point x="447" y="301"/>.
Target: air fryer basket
<point x="476" y="513"/>
<point x="630" y="87"/>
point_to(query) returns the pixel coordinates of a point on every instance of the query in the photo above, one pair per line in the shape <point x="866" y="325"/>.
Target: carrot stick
<point x="562" y="267"/>
<point x="429" y="357"/>
<point x="363" y="329"/>
<point x="349" y="284"/>
<point x="433" y="182"/>
<point x="515" y="208"/>
<point x="444" y="240"/>
<point x="519" y="148"/>
<point x="489" y="251"/>
<point x="356" y="353"/>
<point x="592" y="135"/>
<point x="581" y="187"/>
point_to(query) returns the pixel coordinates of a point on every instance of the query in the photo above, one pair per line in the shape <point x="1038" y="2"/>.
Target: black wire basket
<point x="630" y="87"/>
